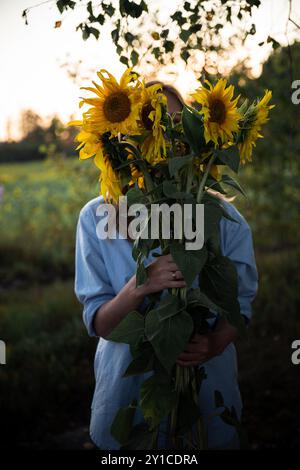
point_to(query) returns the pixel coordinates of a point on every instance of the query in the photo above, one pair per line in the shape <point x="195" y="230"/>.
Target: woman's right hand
<point x="163" y="273"/>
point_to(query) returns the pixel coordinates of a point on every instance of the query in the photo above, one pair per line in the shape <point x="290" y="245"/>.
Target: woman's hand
<point x="201" y="348"/>
<point x="163" y="273"/>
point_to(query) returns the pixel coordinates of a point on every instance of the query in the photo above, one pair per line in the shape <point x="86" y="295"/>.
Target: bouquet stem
<point x="204" y="178"/>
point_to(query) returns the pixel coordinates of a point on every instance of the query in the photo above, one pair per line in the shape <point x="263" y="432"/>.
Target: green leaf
<point x="190" y="262"/>
<point x="108" y="9"/>
<point x="134" y="57"/>
<point x="184" y="35"/>
<point x="219" y="281"/>
<point x="130" y="330"/>
<point x="164" y="34"/>
<point x="229" y="157"/>
<point x="95" y="32"/>
<point x="135" y="196"/>
<point x="169" y="306"/>
<point x="122" y="423"/>
<point x="141" y="272"/>
<point x="143" y="359"/>
<point x="168" y="337"/>
<point x="185" y="54"/>
<point x="170" y="191"/>
<point x="60" y="5"/>
<point x="193" y="129"/>
<point x="158" y="398"/>
<point x="100" y="19"/>
<point x="156" y="52"/>
<point x="115" y="35"/>
<point x="85" y="33"/>
<point x="176" y="163"/>
<point x="141" y="438"/>
<point x="168" y="46"/>
<point x="65" y="4"/>
<point x="132" y="8"/>
<point x="226" y="179"/>
<point x="180" y="20"/>
<point x="212" y="216"/>
<point x="129" y="38"/>
<point x="275" y="44"/>
<point x="124" y="60"/>
<point x="197" y="297"/>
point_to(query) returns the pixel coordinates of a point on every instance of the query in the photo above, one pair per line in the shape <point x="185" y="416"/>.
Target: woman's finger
<point x="187" y="364"/>
<point x="175" y="276"/>
<point x="176" y="284"/>
<point x="192" y="347"/>
<point x="187" y="356"/>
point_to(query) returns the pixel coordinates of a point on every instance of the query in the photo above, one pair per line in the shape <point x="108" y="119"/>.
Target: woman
<point x="105" y="285"/>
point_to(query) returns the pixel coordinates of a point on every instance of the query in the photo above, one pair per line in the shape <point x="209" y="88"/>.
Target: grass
<point x="49" y="370"/>
<point x="38" y="217"/>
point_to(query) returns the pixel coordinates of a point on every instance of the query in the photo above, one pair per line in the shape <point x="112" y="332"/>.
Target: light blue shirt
<point x="103" y="267"/>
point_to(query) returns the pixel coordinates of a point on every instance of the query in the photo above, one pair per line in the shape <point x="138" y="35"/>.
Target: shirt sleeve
<point x="92" y="286"/>
<point x="239" y="248"/>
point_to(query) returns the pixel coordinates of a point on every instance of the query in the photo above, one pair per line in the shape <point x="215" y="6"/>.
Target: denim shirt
<point x="102" y="268"/>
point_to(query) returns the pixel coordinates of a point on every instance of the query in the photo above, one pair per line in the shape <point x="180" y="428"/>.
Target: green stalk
<point x="189" y="178"/>
<point x="203" y="181"/>
<point x="201" y="439"/>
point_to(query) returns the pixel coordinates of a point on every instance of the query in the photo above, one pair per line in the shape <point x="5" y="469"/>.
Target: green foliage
<point x="192" y="123"/>
<point x="272" y="178"/>
<point x="168" y="336"/>
<point x="39" y="211"/>
<point x="129" y="330"/>
<point x="47" y="350"/>
<point x="189" y="26"/>
<point x="229" y="157"/>
<point x="158" y="397"/>
<point x="219" y="282"/>
<point x="190" y="262"/>
<point x="122" y="424"/>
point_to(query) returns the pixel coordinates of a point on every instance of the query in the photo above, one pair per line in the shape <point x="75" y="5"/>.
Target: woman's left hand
<point x="201" y="348"/>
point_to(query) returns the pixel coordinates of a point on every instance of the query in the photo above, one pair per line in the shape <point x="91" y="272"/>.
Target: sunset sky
<point x="31" y="57"/>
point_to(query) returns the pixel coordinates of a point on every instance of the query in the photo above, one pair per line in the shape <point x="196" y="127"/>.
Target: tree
<point x="140" y="33"/>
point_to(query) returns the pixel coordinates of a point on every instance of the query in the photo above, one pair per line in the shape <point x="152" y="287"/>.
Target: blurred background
<point x="48" y="50"/>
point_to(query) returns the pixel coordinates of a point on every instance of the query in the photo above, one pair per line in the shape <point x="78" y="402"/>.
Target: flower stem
<point x="203" y="181"/>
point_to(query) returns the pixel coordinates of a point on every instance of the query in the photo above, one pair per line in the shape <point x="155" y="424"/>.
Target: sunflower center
<point x="217" y="111"/>
<point x="117" y="107"/>
<point x="147" y="122"/>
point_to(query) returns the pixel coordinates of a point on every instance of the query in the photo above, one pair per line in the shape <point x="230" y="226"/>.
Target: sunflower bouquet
<point x="150" y="158"/>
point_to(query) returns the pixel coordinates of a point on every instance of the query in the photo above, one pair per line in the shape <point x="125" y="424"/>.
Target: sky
<point x="31" y="56"/>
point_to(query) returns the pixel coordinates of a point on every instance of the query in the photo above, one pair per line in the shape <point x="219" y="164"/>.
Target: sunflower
<point x="92" y="145"/>
<point x="256" y="115"/>
<point x="116" y="108"/>
<point x="89" y="144"/>
<point x="153" y="146"/>
<point x="110" y="186"/>
<point x="137" y="175"/>
<point x="219" y="110"/>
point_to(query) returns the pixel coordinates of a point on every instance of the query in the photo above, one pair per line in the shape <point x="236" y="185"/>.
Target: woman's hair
<point x="168" y="88"/>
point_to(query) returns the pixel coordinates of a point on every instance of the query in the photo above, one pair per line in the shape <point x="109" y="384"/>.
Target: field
<point x="46" y="390"/>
